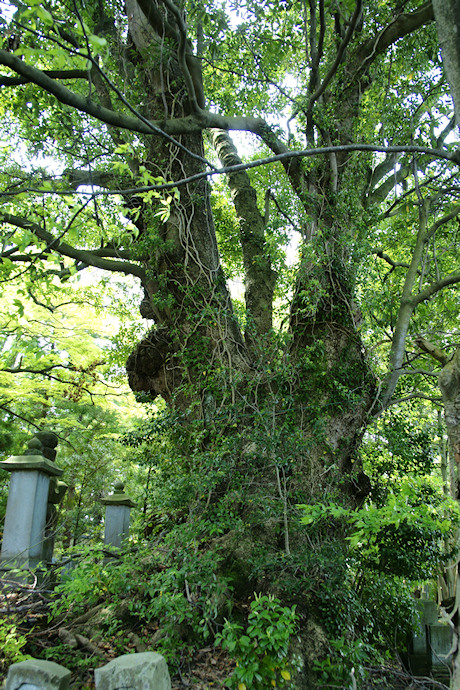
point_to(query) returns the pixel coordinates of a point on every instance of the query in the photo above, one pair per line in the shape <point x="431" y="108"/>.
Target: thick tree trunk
<point x="447" y="15"/>
<point x="449" y="383"/>
<point x="196" y="331"/>
<point x="186" y="293"/>
<point x="281" y="415"/>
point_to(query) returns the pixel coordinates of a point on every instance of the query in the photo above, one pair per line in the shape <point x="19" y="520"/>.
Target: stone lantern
<point x="26" y="510"/>
<point x="117" y="516"/>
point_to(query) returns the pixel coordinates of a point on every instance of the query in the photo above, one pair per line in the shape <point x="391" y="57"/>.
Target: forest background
<point x="294" y="437"/>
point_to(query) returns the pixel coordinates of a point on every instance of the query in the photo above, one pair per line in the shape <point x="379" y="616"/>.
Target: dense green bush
<point x="261" y="649"/>
<point x="12" y="643"/>
<point x="403" y="537"/>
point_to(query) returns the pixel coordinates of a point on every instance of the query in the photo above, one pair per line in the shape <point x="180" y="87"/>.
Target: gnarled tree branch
<point x="259" y="278"/>
<point x="80" y="255"/>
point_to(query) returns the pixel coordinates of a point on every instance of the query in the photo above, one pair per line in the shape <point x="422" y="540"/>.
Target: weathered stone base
<point x="37" y="674"/>
<point x="143" y="671"/>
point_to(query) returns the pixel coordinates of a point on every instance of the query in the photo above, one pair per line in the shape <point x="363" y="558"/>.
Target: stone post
<point x="37" y="674"/>
<point x="117" y="516"/>
<point x="134" y="672"/>
<point x="25" y="520"/>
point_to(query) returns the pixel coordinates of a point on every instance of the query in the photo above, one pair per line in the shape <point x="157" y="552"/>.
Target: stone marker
<point x="25" y="520"/>
<point x="145" y="671"/>
<point x="117" y="516"/>
<point x="441" y="639"/>
<point x="428" y="615"/>
<point x="429" y="610"/>
<point x="419" y="641"/>
<point x="37" y="674"/>
<point x="419" y="653"/>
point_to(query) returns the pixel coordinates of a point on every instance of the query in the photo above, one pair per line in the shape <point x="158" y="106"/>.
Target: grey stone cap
<point x="429" y="610"/>
<point x="31" y="462"/>
<point x="118" y="500"/>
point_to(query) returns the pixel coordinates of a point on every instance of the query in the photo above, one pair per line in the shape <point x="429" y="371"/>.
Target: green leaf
<point x="45" y="16"/>
<point x="99" y="43"/>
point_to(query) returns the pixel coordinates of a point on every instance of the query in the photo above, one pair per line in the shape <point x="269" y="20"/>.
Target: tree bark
<point x="449" y="383"/>
<point x="447" y="15"/>
<point x="185" y="285"/>
<point x="260" y="279"/>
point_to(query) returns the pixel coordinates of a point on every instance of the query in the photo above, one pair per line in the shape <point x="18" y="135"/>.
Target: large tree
<point x="116" y="121"/>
